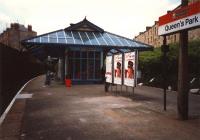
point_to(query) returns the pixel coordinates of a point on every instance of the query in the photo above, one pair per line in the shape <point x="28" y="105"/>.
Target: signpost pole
<point x="183" y="85"/>
<point x="181" y="20"/>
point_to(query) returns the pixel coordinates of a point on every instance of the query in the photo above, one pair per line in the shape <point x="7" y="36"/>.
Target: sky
<point x="122" y="17"/>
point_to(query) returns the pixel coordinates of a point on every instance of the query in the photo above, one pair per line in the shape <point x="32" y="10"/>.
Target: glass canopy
<point x="86" y="38"/>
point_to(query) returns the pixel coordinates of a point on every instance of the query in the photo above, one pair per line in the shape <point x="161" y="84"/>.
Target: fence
<point x="16" y="68"/>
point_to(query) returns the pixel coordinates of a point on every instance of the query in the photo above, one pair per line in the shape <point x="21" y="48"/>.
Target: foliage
<point x="151" y="66"/>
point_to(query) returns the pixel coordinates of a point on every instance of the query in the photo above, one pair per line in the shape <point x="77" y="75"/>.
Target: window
<point x="85" y="65"/>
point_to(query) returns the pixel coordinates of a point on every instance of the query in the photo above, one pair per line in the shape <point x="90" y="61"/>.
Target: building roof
<point x="84" y="34"/>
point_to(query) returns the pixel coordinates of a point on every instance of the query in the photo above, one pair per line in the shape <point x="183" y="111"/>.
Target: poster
<point x="108" y="74"/>
<point x="130" y="69"/>
<point x="118" y="69"/>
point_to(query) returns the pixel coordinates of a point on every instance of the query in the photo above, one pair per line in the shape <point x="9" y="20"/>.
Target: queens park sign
<point x="186" y="17"/>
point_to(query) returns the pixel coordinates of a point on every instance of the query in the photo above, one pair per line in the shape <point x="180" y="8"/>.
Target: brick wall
<point x="13" y="35"/>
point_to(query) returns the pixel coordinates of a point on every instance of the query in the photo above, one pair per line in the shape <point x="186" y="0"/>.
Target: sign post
<point x="183" y="83"/>
<point x="181" y="20"/>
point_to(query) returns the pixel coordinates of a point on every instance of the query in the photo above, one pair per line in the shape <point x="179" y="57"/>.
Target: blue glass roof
<point x="85" y="38"/>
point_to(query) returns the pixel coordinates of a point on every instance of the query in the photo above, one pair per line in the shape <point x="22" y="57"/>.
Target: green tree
<point x="150" y="64"/>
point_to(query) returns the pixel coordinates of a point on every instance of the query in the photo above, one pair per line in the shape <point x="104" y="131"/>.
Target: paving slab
<point x="86" y="112"/>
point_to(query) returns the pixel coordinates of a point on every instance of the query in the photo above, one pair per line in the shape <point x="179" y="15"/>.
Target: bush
<point x="150" y="64"/>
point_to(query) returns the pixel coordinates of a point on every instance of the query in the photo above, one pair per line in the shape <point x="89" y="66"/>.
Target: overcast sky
<point x="123" y="17"/>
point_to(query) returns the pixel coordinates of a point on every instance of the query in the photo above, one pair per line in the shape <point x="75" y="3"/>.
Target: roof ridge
<point x="84" y="21"/>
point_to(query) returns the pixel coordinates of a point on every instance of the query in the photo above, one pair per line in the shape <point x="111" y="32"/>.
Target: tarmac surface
<point x="86" y="112"/>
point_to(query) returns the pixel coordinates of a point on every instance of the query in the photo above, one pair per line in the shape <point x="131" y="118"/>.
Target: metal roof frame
<point x="72" y="37"/>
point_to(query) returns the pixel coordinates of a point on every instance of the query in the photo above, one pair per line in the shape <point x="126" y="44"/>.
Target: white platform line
<point x="3" y="116"/>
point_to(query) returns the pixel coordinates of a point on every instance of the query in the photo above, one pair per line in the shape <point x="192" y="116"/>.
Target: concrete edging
<point x="13" y="100"/>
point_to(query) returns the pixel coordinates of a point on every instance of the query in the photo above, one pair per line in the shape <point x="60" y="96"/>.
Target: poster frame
<point x="135" y="69"/>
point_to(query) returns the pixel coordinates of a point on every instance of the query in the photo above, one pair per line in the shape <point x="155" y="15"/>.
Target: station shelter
<point x="81" y="50"/>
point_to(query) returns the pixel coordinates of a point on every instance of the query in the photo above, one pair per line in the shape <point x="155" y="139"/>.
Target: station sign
<point x="185" y="17"/>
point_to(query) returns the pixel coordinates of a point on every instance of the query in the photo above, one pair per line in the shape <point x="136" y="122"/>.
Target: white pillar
<point x="59" y="68"/>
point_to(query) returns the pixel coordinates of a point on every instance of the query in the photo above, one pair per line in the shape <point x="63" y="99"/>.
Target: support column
<point x="66" y="63"/>
<point x="103" y="65"/>
<point x="59" y="69"/>
<point x="63" y="70"/>
<point x="183" y="83"/>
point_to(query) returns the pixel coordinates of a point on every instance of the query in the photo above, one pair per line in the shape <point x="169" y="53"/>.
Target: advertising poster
<point x="118" y="69"/>
<point x="129" y="69"/>
<point x="108" y="74"/>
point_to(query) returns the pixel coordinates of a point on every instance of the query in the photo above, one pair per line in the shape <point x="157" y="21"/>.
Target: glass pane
<point x="113" y="51"/>
<point x="71" y="68"/>
<point x="91" y="69"/>
<point x="97" y="69"/>
<point x="97" y="55"/>
<point x="100" y="39"/>
<point x="37" y="39"/>
<point x="71" y="54"/>
<point x="84" y="55"/>
<point x="60" y="34"/>
<point x="85" y="38"/>
<point x="108" y="40"/>
<point x="53" y="35"/>
<point x="115" y="40"/>
<point x="83" y="69"/>
<point x="131" y="42"/>
<point x="92" y="38"/>
<point x="68" y="34"/>
<point x="77" y="68"/>
<point x="137" y="44"/>
<point x="124" y="42"/>
<point x="44" y="39"/>
<point x="77" y="38"/>
<point x="53" y="40"/>
<point x="32" y="40"/>
<point x="77" y="54"/>
<point x="91" y="55"/>
<point x="70" y="41"/>
<point x="61" y="40"/>
<point x="124" y="50"/>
